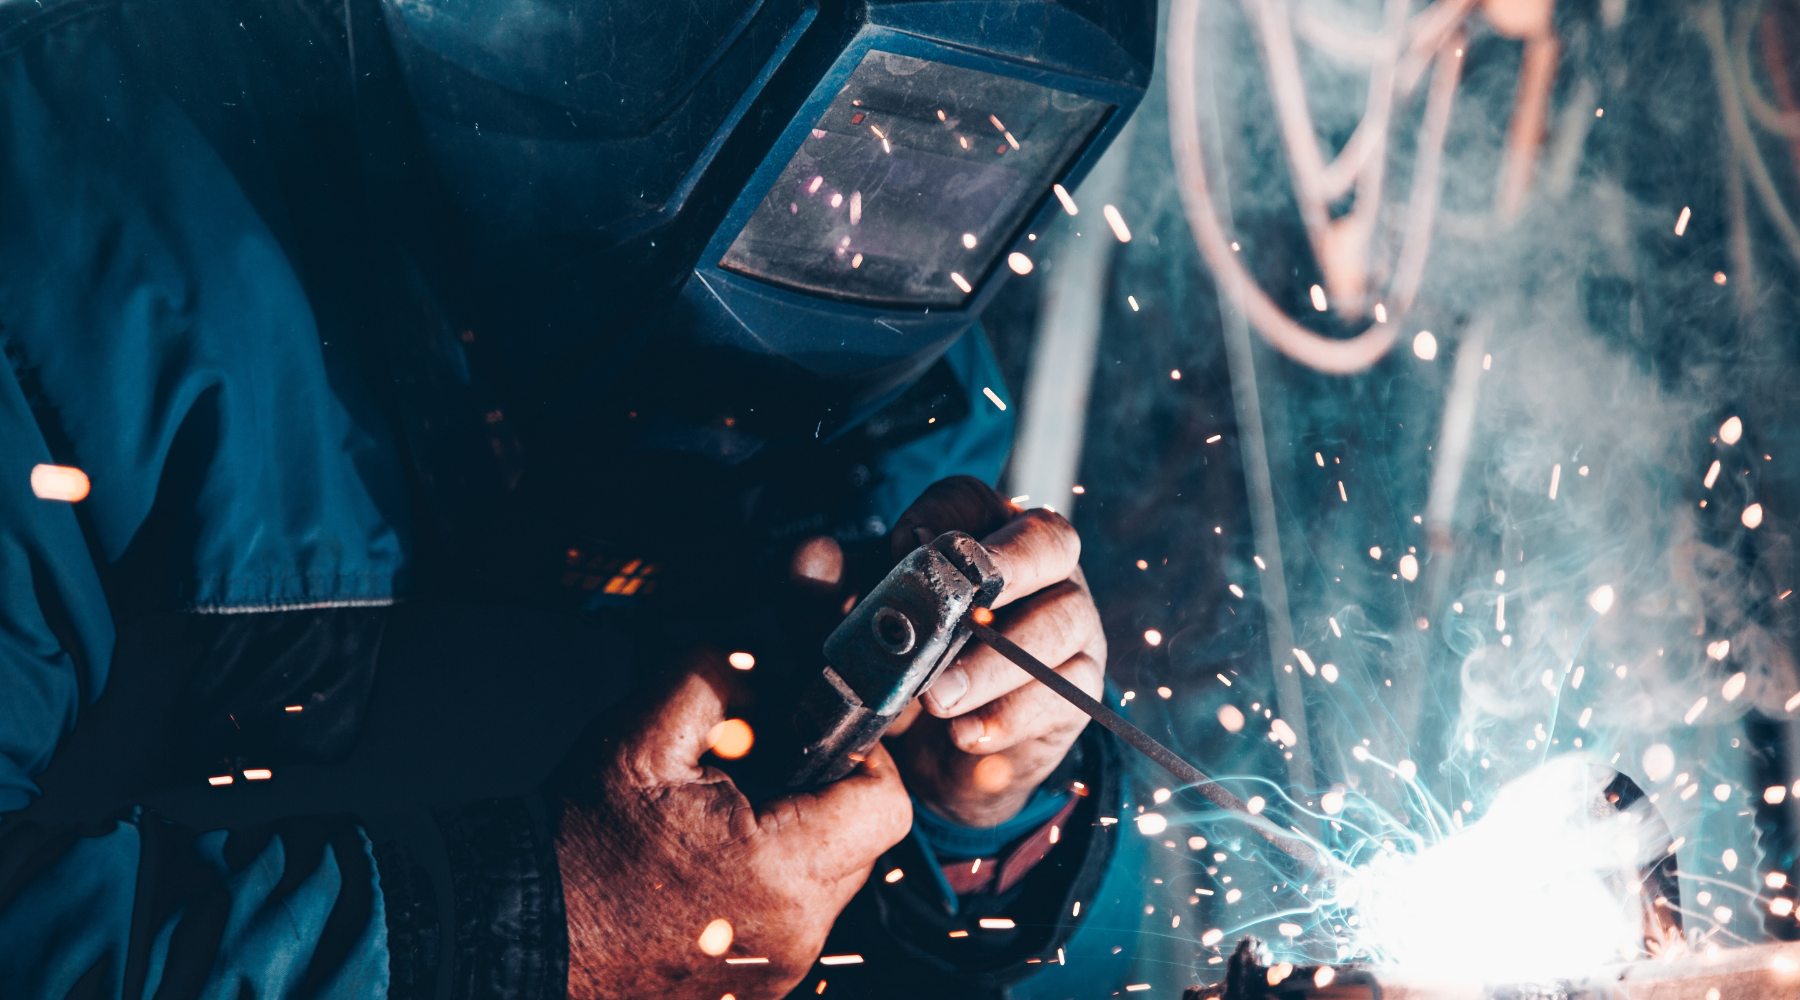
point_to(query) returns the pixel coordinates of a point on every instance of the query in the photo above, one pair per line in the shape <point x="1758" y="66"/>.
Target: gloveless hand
<point x="655" y="849"/>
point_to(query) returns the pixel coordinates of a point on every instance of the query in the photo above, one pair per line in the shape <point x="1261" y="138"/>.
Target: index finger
<point x="1033" y="551"/>
<point x="842" y="828"/>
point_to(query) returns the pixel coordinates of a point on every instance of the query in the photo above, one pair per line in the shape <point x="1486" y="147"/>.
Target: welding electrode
<point x="1293" y="847"/>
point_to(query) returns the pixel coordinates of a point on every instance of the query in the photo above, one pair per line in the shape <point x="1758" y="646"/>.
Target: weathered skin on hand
<point x="653" y="847"/>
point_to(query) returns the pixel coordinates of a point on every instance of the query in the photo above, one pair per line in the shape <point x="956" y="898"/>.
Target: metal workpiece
<point x="1755" y="972"/>
<point x="888" y="650"/>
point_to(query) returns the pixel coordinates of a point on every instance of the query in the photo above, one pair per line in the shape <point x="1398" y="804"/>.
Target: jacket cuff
<point x="512" y="939"/>
<point x="492" y="909"/>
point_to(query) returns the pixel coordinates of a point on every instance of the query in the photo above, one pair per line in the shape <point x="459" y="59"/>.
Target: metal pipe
<point x="1053" y="411"/>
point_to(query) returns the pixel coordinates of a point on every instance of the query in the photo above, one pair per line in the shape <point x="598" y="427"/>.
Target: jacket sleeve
<point x="463" y="905"/>
<point x="148" y="316"/>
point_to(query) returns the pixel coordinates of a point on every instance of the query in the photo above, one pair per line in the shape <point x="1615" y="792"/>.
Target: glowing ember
<point x="59" y="482"/>
<point x="741" y="660"/>
<point x="1231" y="718"/>
<point x="731" y="739"/>
<point x="1151" y="824"/>
<point x="1731" y="430"/>
<point x="894" y="876"/>
<point x="1425" y="345"/>
<point x="1068" y="203"/>
<point x="716" y="938"/>
<point x="1020" y="263"/>
<point x="1117" y="222"/>
<point x="1753" y="516"/>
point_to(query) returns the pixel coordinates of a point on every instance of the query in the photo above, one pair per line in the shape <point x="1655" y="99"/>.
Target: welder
<point x="425" y="422"/>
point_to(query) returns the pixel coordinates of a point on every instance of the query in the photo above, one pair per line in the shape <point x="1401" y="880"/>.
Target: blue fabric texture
<point x="954" y="842"/>
<point x="143" y="298"/>
<point x="157" y="335"/>
<point x="976" y="446"/>
<point x="75" y="916"/>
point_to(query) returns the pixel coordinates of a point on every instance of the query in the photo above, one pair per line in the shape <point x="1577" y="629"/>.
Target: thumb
<point x="838" y="831"/>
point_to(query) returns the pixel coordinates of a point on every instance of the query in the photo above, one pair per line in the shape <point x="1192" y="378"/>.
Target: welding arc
<point x="1293" y="847"/>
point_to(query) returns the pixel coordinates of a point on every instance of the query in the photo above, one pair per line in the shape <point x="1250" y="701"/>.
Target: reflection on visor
<point x="911" y="183"/>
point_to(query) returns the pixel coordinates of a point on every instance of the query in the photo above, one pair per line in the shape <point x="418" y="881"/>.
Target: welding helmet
<point x="809" y="199"/>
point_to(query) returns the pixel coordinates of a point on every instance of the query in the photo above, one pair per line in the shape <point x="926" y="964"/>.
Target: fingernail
<point x="949" y="688"/>
<point x="967" y="731"/>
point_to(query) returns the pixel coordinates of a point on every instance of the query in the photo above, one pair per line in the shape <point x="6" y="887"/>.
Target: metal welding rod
<point x="1187" y="773"/>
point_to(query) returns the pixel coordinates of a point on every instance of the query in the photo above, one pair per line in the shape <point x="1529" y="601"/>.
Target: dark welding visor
<point x="878" y="223"/>
<point x="910" y="185"/>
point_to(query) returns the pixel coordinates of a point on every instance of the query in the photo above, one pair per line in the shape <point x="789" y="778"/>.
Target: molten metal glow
<point x="1539" y="863"/>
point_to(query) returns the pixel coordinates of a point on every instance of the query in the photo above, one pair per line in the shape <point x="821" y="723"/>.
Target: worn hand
<point x="654" y="848"/>
<point x="988" y="734"/>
